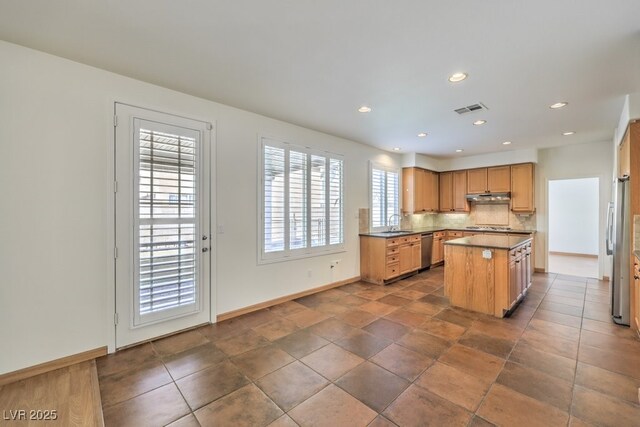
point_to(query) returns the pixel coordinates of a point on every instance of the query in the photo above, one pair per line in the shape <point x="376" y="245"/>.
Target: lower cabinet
<point x="384" y="259"/>
<point x="519" y="273"/>
<point x="437" y="251"/>
<point x="636" y="285"/>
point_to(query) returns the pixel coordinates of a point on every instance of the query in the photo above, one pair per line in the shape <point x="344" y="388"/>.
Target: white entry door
<point x="162" y="224"/>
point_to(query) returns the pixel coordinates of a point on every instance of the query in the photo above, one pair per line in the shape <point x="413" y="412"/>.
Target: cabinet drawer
<point x="438" y="234"/>
<point x="455" y="233"/>
<point x="393" y="242"/>
<point x="393" y="259"/>
<point x="392" y="270"/>
<point x="415" y="238"/>
<point x="392" y="250"/>
<point x="405" y="239"/>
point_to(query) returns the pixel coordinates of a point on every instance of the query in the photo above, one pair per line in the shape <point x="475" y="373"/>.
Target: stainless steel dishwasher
<point x="427" y="246"/>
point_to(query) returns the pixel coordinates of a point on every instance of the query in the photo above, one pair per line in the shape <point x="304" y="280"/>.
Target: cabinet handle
<point x="636" y="277"/>
<point x="517" y="261"/>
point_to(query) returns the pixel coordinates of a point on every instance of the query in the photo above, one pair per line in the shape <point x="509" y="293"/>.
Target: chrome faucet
<point x="389" y="222"/>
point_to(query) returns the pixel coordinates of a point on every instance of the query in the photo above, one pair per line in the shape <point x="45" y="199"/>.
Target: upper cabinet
<point x="453" y="192"/>
<point x="522" y="188"/>
<point x="446" y="192"/>
<point x="460" y="203"/>
<point x="489" y="180"/>
<point x="431" y="191"/>
<point x="477" y="181"/>
<point x="624" y="156"/>
<point x="420" y="190"/>
<point x="499" y="179"/>
<point x="425" y="191"/>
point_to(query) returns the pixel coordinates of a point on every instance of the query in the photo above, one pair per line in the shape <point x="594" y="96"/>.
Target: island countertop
<point x="490" y="241"/>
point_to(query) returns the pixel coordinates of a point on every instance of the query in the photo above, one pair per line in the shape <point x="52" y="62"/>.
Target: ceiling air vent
<point x="471" y="108"/>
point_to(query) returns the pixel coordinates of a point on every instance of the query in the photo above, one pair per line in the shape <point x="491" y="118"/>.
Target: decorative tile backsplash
<point x="494" y="215"/>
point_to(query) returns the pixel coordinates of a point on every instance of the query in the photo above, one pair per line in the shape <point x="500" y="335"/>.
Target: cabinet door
<point x="412" y="183"/>
<point x="460" y="203"/>
<point x="430" y="191"/>
<point x="519" y="280"/>
<point x="477" y="181"/>
<point x="522" y="188"/>
<point x="418" y="190"/>
<point x="636" y="285"/>
<point x="416" y="256"/>
<point x="406" y="258"/>
<point x="499" y="179"/>
<point x="446" y="192"/>
<point x="437" y="254"/>
<point x="513" y="284"/>
<point x="624" y="156"/>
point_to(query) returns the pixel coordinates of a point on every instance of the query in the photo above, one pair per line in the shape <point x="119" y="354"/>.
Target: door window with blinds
<point x="302" y="201"/>
<point x="385" y="207"/>
<point x="163" y="214"/>
<point x="165" y="221"/>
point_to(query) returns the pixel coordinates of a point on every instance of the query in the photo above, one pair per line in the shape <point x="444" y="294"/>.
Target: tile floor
<point x="573" y="265"/>
<point x="365" y="355"/>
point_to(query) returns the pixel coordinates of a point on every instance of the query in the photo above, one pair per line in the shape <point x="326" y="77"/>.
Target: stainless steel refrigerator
<point x="618" y="245"/>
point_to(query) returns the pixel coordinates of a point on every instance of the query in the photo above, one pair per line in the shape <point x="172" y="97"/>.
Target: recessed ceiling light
<point x="457" y="77"/>
<point x="479" y="122"/>
<point x="558" y="105"/>
<point x="422" y="134"/>
<point x="364" y="109"/>
<point x="459" y="150"/>
<point x="396" y="148"/>
<point x="506" y="143"/>
<point x="568" y="133"/>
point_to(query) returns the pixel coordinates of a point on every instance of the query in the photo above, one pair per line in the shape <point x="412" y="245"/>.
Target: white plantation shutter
<point x="167" y="231"/>
<point x="302" y="200"/>
<point x="297" y="200"/>
<point x="318" y="197"/>
<point x="274" y="198"/>
<point x="336" y="210"/>
<point x="384" y="196"/>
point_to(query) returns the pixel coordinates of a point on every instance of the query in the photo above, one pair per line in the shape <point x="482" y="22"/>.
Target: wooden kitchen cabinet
<point x="431" y="191"/>
<point x="413" y="192"/>
<point x="624" y="156"/>
<point x="499" y="179"/>
<point x="460" y="203"/>
<point x="477" y="181"/>
<point x="446" y="192"/>
<point x="383" y="260"/>
<point x="489" y="180"/>
<point x="636" y="303"/>
<point x="522" y="188"/>
<point x="437" y="251"/>
<point x="420" y="190"/>
<point x="488" y="280"/>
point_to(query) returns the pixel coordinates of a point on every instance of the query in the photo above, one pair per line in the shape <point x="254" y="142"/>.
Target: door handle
<point x="205" y="249"/>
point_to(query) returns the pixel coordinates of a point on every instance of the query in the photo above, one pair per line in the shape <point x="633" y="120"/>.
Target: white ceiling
<point x="314" y="63"/>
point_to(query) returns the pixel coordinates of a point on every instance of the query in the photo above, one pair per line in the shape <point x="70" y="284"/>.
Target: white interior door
<point x="162" y="224"/>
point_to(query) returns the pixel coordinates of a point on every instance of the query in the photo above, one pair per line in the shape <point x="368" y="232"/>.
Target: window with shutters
<point x="302" y="201"/>
<point x="384" y="200"/>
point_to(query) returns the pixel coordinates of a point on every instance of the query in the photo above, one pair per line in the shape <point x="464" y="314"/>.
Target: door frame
<point x="110" y="112"/>
<point x="601" y="217"/>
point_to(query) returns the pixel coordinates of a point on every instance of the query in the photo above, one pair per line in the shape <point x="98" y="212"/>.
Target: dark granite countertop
<point x="436" y="229"/>
<point x="495" y="242"/>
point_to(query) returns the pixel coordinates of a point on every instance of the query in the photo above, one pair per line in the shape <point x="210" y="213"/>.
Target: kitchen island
<point x="487" y="273"/>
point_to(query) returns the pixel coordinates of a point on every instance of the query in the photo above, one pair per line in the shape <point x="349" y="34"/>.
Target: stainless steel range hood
<point x="489" y="198"/>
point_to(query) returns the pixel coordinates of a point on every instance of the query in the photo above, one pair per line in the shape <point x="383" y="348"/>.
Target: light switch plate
<point x="486" y="254"/>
